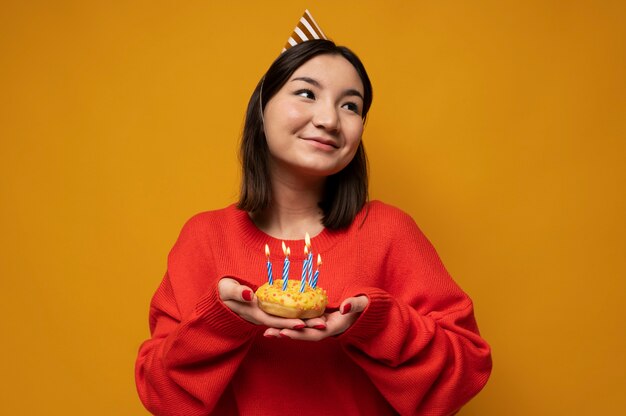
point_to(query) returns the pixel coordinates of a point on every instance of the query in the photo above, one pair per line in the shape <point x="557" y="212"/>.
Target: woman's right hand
<point x="241" y="300"/>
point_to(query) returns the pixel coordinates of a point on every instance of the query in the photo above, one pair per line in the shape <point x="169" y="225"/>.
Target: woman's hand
<point x="241" y="300"/>
<point x="328" y="325"/>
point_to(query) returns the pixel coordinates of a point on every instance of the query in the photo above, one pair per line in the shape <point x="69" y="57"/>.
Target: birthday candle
<point x="269" y="266"/>
<point x="309" y="262"/>
<point x="309" y="267"/>
<point x="304" y="269"/>
<point x="286" y="266"/>
<point x="317" y="272"/>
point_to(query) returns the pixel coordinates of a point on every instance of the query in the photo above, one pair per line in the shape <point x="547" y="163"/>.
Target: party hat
<point x="306" y="29"/>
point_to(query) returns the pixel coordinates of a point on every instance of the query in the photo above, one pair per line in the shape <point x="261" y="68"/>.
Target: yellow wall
<point x="500" y="127"/>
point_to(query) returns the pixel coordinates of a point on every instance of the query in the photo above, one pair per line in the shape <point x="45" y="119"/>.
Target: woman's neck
<point x="294" y="209"/>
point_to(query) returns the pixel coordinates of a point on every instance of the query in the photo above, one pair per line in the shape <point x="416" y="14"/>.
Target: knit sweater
<point x="415" y="349"/>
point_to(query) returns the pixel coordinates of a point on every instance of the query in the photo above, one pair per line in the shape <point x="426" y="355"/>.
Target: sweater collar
<point x="256" y="239"/>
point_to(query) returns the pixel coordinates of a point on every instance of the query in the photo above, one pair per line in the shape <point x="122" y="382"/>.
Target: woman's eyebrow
<point x="352" y="92"/>
<point x="347" y="93"/>
<point x="309" y="80"/>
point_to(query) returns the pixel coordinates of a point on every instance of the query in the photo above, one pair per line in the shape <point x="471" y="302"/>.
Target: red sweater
<point x="415" y="350"/>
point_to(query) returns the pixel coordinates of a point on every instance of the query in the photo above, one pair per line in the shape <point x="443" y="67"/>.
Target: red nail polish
<point x="319" y="326"/>
<point x="247" y="295"/>
<point x="346" y="308"/>
<point x="283" y="335"/>
<point x="301" y="326"/>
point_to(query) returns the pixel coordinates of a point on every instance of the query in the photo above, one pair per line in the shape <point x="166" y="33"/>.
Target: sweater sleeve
<point x="187" y="364"/>
<point x="418" y="341"/>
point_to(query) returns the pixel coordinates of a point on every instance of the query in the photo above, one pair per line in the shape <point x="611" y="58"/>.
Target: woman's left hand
<point x="327" y="325"/>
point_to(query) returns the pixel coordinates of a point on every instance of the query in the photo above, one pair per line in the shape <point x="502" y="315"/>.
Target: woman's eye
<point x="306" y="94"/>
<point x="352" y="107"/>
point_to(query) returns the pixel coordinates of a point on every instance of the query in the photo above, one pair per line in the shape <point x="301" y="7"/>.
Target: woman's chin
<point x="311" y="168"/>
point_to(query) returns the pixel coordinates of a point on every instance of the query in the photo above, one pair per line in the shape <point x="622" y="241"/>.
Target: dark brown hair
<point x="345" y="192"/>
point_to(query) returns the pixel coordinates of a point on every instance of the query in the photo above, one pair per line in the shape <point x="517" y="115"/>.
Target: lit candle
<point x="304" y="269"/>
<point x="309" y="262"/>
<point x="286" y="266"/>
<point x="317" y="272"/>
<point x="269" y="265"/>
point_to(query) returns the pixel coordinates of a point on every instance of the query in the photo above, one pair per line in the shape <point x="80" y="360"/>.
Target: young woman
<point x="398" y="336"/>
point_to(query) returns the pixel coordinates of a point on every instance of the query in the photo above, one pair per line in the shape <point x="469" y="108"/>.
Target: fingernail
<point x="320" y="326"/>
<point x="301" y="326"/>
<point x="346" y="308"/>
<point x="247" y="295"/>
<point x="283" y="335"/>
<point x="268" y="336"/>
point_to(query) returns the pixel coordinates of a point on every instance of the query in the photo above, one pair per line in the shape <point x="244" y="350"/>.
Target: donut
<point x="292" y="303"/>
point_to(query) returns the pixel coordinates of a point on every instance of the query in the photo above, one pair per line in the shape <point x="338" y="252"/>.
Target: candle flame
<point x="319" y="260"/>
<point x="288" y="252"/>
<point x="307" y="240"/>
<point x="306" y="250"/>
<point x="267" y="251"/>
<point x="284" y="249"/>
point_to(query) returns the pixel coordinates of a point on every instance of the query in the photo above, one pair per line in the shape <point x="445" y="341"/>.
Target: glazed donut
<point x="292" y="303"/>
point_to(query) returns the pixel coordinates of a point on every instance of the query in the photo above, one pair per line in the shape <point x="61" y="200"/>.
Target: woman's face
<point x="313" y="124"/>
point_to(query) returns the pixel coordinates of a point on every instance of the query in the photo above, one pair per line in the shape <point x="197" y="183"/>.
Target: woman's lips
<point x="325" y="143"/>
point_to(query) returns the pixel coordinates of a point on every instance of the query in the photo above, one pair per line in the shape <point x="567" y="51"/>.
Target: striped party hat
<point x="306" y="29"/>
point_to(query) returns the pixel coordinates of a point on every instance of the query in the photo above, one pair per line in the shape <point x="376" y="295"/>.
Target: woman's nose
<point x="326" y="117"/>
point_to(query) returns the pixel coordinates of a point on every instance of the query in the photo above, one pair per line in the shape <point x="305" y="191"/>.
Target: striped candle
<point x="317" y="272"/>
<point x="309" y="260"/>
<point x="286" y="266"/>
<point x="305" y="268"/>
<point x="309" y="266"/>
<point x="270" y="279"/>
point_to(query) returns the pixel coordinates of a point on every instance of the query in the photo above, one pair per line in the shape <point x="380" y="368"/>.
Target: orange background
<point x="500" y="126"/>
